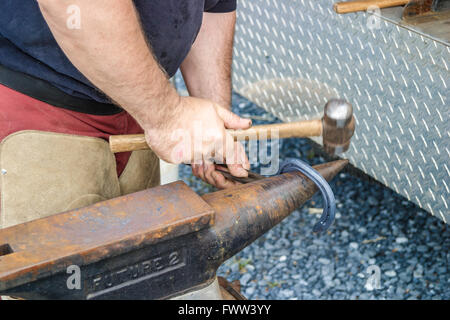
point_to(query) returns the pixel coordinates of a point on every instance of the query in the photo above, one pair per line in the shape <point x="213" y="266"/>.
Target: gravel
<point x="381" y="246"/>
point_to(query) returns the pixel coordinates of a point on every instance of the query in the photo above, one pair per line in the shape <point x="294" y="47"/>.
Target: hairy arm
<point x="110" y="50"/>
<point x="207" y="68"/>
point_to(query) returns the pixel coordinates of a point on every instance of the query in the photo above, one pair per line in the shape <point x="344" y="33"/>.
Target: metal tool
<point x="336" y="128"/>
<point x="252" y="176"/>
<point x="154" y="244"/>
<point x="420" y="11"/>
<point x="363" y="5"/>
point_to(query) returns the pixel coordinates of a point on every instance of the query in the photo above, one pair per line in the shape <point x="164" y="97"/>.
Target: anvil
<point x="154" y="244"/>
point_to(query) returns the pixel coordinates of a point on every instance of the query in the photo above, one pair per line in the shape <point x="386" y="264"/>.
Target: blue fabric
<point x="220" y="6"/>
<point x="27" y="45"/>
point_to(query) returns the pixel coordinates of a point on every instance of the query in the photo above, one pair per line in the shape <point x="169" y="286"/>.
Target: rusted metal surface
<point x="230" y="290"/>
<point x="47" y="246"/>
<point x="246" y="212"/>
<point x="426" y="11"/>
<point x="153" y="244"/>
<point x="252" y="176"/>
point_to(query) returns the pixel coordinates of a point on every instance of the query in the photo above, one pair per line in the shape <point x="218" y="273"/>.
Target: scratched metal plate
<point x="292" y="56"/>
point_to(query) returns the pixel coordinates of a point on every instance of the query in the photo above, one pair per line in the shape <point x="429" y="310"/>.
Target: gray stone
<point x="405" y="277"/>
<point x="372" y="201"/>
<point x="400" y="292"/>
<point x="442" y="270"/>
<point x="281" y="265"/>
<point x="287" y="293"/>
<point x="316" y="292"/>
<point x="401" y="240"/>
<point x="234" y="267"/>
<point x="324" y="261"/>
<point x="307" y="296"/>
<point x="422" y="248"/>
<point x="303" y="282"/>
<point x="390" y="273"/>
<point x="353" y="245"/>
<point x="249" y="292"/>
<point x="245" y="279"/>
<point x="328" y="281"/>
<point x="319" y="242"/>
<point x="418" y="272"/>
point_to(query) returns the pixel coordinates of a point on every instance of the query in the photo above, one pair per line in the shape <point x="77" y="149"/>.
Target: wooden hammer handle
<point x="362" y="5"/>
<point x="300" y="129"/>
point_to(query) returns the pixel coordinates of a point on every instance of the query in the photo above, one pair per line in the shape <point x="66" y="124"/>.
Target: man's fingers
<point x="209" y="174"/>
<point x="208" y="169"/>
<point x="237" y="170"/>
<point x="221" y="182"/>
<point x="231" y="120"/>
<point x="235" y="157"/>
<point x="197" y="170"/>
<point x="223" y="149"/>
<point x="243" y="159"/>
<point x="194" y="168"/>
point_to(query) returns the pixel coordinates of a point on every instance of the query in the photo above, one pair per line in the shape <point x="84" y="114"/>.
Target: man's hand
<point x="196" y="133"/>
<point x="207" y="74"/>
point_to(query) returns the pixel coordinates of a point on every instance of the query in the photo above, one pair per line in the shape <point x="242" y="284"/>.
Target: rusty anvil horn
<point x="248" y="211"/>
<point x="153" y="244"/>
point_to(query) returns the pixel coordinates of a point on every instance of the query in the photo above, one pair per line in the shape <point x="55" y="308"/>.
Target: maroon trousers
<point x="19" y="112"/>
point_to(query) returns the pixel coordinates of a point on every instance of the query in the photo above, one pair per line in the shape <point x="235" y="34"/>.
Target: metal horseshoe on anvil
<point x="163" y="242"/>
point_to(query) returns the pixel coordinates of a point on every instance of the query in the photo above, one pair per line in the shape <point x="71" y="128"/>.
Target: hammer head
<point x="338" y="126"/>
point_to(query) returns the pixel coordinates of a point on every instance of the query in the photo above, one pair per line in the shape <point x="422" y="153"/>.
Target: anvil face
<point x="118" y="249"/>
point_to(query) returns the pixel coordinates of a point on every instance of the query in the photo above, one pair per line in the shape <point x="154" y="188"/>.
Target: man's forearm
<point x="111" y="51"/>
<point x="207" y="68"/>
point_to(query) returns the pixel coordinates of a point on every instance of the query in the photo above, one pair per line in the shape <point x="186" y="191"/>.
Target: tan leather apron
<point x="44" y="173"/>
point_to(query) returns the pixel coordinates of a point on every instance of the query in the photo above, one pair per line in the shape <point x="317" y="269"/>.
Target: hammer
<point x="336" y="128"/>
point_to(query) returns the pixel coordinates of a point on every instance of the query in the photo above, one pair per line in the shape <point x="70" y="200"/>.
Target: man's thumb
<point x="233" y="121"/>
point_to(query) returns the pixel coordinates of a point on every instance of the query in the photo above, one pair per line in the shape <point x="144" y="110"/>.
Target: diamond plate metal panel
<point x="292" y="56"/>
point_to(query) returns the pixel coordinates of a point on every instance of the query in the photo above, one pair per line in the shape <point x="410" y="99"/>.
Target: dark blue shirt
<point x="27" y="45"/>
